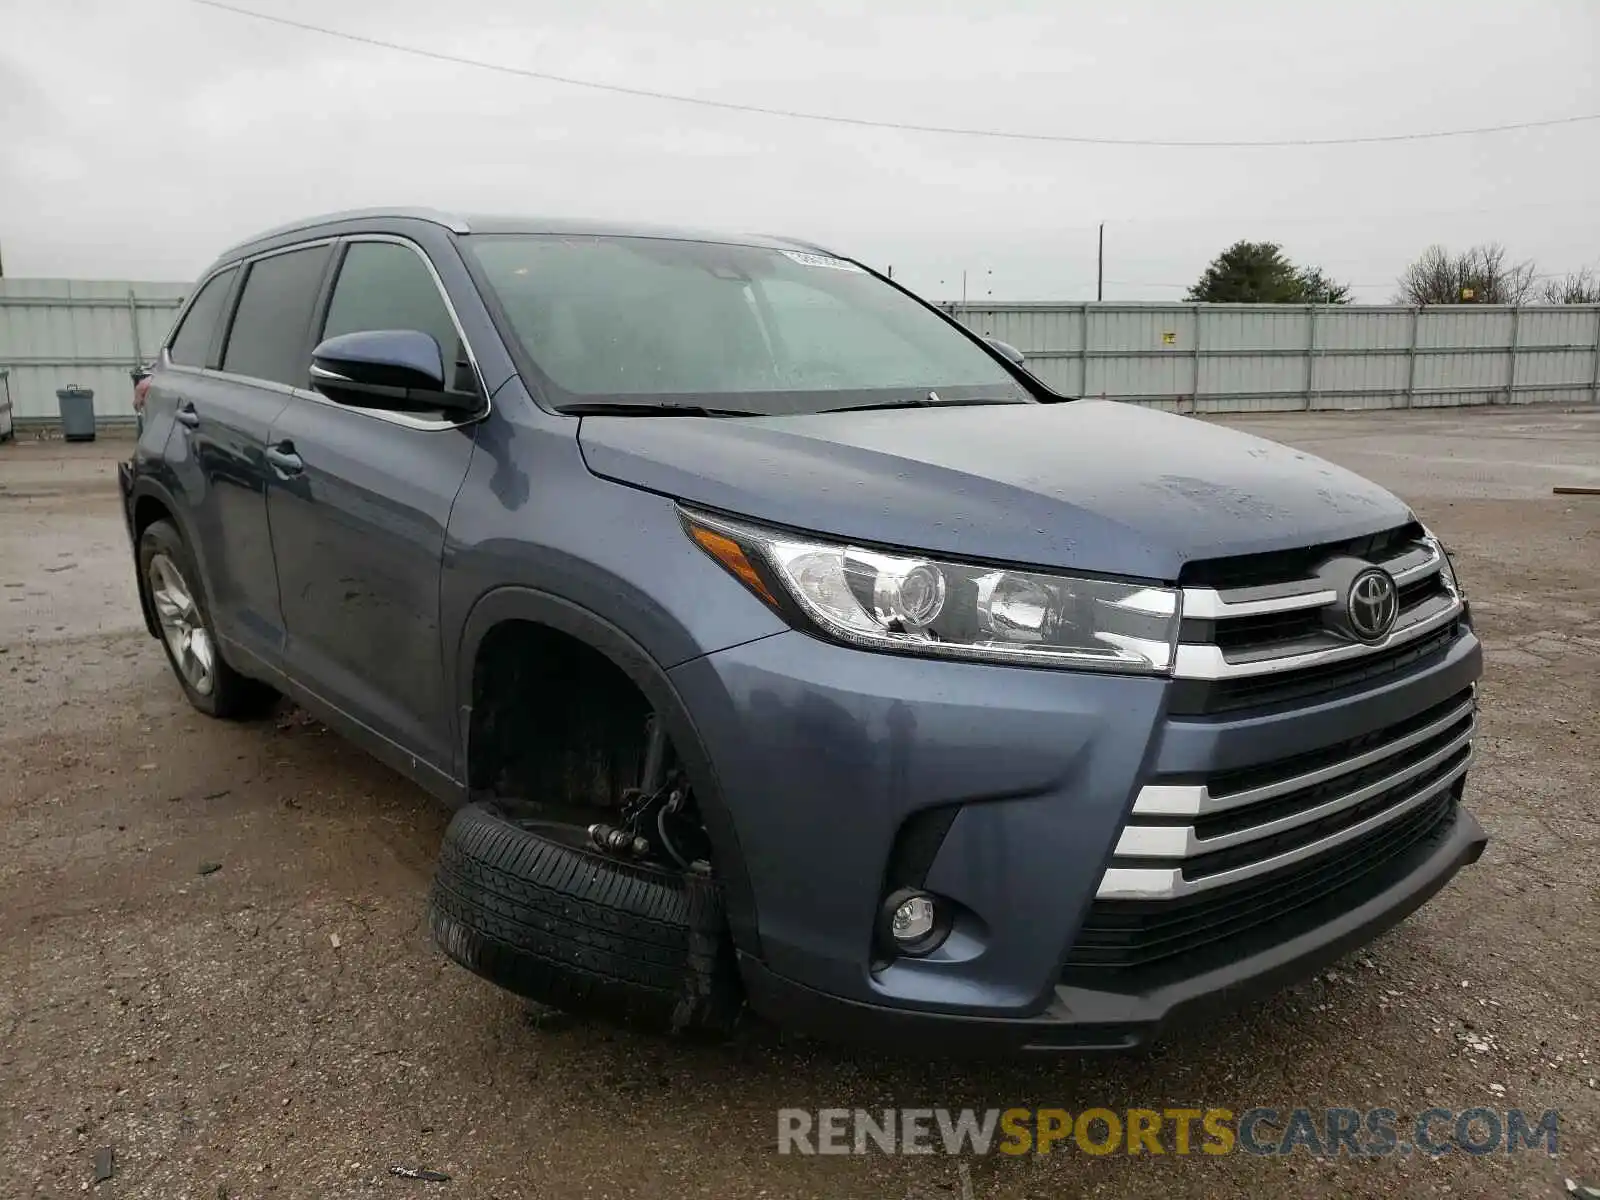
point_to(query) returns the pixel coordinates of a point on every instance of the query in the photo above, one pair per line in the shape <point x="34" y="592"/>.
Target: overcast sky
<point x="139" y="137"/>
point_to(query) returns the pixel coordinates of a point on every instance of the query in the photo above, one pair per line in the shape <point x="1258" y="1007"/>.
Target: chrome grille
<point x="1184" y="838"/>
<point x="1260" y="643"/>
<point x="1172" y="935"/>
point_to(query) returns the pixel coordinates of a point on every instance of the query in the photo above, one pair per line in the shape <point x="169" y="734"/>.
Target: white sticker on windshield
<point x="821" y="260"/>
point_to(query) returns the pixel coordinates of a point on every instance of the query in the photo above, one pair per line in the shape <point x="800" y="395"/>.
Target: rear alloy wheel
<point x="188" y="641"/>
<point x="536" y="909"/>
<point x="171" y="583"/>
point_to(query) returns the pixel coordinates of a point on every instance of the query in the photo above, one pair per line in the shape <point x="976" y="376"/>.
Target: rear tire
<point x="167" y="573"/>
<point x="537" y="911"/>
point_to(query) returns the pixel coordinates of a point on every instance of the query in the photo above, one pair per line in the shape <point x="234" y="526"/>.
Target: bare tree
<point x="1480" y="275"/>
<point x="1580" y="287"/>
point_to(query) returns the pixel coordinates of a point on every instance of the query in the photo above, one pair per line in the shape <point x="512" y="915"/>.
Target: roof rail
<point x="450" y="221"/>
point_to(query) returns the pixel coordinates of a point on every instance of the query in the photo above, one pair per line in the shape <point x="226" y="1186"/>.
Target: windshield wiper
<point x="613" y="408"/>
<point x="931" y="400"/>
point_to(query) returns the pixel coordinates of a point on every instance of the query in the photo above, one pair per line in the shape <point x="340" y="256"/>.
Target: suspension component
<point x="618" y="841"/>
<point x="647" y="811"/>
<point x="654" y="775"/>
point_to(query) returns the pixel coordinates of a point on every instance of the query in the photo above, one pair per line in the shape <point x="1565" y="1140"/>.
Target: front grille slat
<point x="1156" y="939"/>
<point x="1135" y="936"/>
<point x="1207" y="697"/>
<point x="1270" y="630"/>
<point x="1170" y="877"/>
<point x="1260" y="782"/>
<point x="1185" y="836"/>
<point x="1286" y="566"/>
<point x="1404" y="768"/>
<point x="1216" y="865"/>
<point x="1215" y="862"/>
<point x="1262" y="630"/>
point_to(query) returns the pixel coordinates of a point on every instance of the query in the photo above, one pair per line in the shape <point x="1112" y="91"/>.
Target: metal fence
<point x="1190" y="357"/>
<point x="1280" y="357"/>
<point x="56" y="332"/>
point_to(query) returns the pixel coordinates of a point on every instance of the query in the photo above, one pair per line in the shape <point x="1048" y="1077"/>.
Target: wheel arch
<point x="522" y="604"/>
<point x="149" y="502"/>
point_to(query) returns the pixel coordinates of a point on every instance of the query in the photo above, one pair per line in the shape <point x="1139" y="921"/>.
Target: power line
<point x="869" y="123"/>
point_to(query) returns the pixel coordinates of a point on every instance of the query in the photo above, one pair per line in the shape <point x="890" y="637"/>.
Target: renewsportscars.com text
<point x="1361" y="1133"/>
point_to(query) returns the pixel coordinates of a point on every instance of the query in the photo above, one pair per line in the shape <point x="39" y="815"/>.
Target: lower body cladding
<point x="1098" y="867"/>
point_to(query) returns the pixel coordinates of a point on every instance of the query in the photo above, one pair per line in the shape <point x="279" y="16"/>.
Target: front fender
<point x="515" y="603"/>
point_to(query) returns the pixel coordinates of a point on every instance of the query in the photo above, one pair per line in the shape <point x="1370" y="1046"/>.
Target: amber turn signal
<point x="732" y="556"/>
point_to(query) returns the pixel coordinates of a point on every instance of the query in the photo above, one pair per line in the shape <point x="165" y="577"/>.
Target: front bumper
<point x="1005" y="790"/>
<point x="1080" y="1018"/>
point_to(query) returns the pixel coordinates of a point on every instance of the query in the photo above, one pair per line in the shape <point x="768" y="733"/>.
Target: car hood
<point x="1092" y="485"/>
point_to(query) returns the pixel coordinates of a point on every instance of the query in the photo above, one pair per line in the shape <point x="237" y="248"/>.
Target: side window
<point x="383" y="285"/>
<point x="192" y="342"/>
<point x="268" y="338"/>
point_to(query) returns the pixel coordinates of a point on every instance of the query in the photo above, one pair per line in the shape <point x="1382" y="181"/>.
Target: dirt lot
<point x="282" y="1026"/>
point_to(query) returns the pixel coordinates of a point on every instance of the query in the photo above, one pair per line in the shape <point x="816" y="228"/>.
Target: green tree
<point x="1260" y="273"/>
<point x="1318" y="288"/>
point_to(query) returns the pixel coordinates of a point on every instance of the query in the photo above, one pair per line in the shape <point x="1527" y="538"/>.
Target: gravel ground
<point x="281" y="1025"/>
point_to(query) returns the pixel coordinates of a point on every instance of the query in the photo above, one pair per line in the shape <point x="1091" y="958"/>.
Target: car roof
<point x="460" y="223"/>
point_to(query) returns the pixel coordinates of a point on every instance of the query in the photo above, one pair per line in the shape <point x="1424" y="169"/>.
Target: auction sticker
<point x="821" y="260"/>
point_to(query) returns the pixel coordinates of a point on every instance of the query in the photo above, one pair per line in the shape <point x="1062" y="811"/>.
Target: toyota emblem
<point x="1373" y="605"/>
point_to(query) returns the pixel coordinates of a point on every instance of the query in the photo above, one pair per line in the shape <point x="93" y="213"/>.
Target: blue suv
<point x="783" y="644"/>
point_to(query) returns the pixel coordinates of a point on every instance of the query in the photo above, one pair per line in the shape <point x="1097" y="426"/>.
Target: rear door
<point x="217" y="451"/>
<point x="193" y="346"/>
<point x="358" y="506"/>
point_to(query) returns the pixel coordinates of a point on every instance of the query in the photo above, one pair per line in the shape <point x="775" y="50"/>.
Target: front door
<point x="358" y="507"/>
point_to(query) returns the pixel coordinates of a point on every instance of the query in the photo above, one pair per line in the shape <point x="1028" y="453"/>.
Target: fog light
<point x="913" y="920"/>
<point x="912" y="923"/>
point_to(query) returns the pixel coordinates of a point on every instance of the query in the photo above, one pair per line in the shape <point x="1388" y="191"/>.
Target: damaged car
<point x="785" y="646"/>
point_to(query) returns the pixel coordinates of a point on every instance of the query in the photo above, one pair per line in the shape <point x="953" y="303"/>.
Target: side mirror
<point x="1005" y="348"/>
<point x="401" y="369"/>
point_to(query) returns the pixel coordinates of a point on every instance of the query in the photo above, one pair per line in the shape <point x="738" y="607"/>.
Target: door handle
<point x="284" y="460"/>
<point x="187" y="416"/>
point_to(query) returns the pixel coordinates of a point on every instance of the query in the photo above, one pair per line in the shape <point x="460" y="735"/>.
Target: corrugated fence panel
<point x="1364" y="328"/>
<point x="1141" y="352"/>
<point x="1246" y="374"/>
<point x="1574" y="327"/>
<point x="1243" y="358"/>
<point x="1055" y="332"/>
<point x="1365" y="380"/>
<point x="91" y="333"/>
<point x="1464" y="326"/>
<point x="1255" y="327"/>
<point x="1145" y="329"/>
<point x="1206" y="357"/>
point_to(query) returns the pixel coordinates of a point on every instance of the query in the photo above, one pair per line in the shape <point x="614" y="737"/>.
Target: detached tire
<point x="531" y="907"/>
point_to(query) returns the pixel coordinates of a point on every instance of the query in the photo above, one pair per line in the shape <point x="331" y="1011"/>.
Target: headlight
<point x="920" y="605"/>
<point x="1447" y="566"/>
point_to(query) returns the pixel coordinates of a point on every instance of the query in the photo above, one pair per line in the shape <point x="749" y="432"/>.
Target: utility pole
<point x="1100" y="266"/>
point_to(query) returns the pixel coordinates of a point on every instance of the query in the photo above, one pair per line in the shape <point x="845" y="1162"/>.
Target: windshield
<point x="652" y="322"/>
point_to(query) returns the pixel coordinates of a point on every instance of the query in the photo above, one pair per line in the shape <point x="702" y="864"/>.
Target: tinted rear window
<point x="193" y="340"/>
<point x="268" y="339"/>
